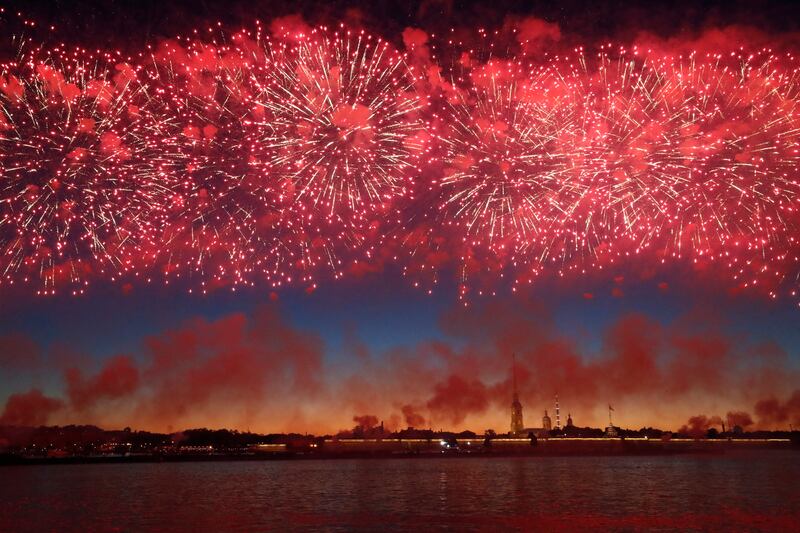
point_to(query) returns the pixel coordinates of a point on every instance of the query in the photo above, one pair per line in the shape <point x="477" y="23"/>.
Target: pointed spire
<point x="517" y="425"/>
<point x="514" y="371"/>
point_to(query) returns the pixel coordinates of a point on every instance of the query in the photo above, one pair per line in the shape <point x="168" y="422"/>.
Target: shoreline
<point x="400" y="450"/>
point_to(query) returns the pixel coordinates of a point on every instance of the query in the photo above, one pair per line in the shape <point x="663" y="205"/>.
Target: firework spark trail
<point x="195" y="123"/>
<point x="343" y="114"/>
<point x="682" y="158"/>
<point x="668" y="127"/>
<point x="71" y="203"/>
<point x="700" y="156"/>
<point x="503" y="146"/>
<point x="252" y="159"/>
<point x="278" y="158"/>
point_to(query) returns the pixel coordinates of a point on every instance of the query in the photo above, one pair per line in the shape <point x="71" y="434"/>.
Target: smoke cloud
<point x="699" y="425"/>
<point x="455" y="398"/>
<point x="235" y="360"/>
<point x="118" y="378"/>
<point x="411" y="417"/>
<point x="366" y="422"/>
<point x="30" y="408"/>
<point x="772" y="412"/>
<point x="259" y="370"/>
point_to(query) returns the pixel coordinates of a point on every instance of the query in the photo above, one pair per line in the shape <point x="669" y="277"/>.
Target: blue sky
<point x="383" y="312"/>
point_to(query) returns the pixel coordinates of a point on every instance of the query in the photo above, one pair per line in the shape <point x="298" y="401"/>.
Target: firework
<point x="70" y="201"/>
<point x="244" y="159"/>
<point x="341" y="114"/>
<point x="511" y="142"/>
<point x="696" y="157"/>
<point x="696" y="150"/>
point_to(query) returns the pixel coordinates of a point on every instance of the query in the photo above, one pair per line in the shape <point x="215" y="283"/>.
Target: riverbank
<point x="423" y="448"/>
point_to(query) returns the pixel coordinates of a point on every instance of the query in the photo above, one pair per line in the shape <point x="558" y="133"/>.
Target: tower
<point x="546" y="423"/>
<point x="611" y="431"/>
<point x="517" y="426"/>
<point x="569" y="420"/>
<point x="558" y="414"/>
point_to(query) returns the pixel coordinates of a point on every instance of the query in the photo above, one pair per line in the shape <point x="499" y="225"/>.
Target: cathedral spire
<point x="514" y="372"/>
<point x="517" y="425"/>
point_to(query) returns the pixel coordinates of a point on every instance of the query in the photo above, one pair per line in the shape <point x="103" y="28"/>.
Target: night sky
<point x="660" y="342"/>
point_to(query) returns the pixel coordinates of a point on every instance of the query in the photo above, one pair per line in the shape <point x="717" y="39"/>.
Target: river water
<point x="739" y="491"/>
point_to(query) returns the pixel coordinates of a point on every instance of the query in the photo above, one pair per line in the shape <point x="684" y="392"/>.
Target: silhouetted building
<point x="547" y="425"/>
<point x="569" y="420"/>
<point x="517" y="425"/>
<point x="611" y="430"/>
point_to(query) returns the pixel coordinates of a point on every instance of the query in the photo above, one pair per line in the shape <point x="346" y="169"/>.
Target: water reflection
<point x="739" y="491"/>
